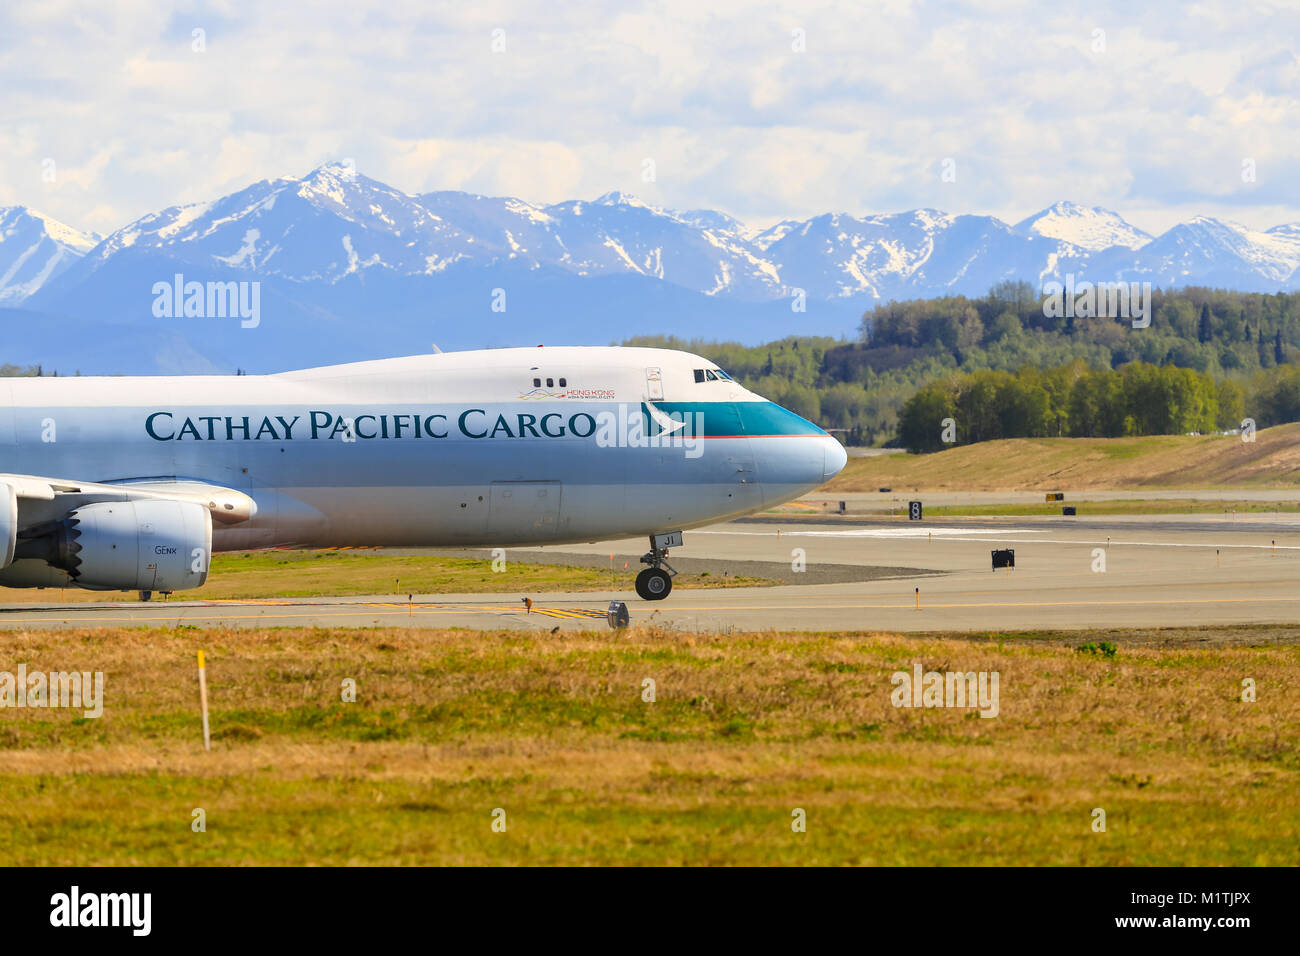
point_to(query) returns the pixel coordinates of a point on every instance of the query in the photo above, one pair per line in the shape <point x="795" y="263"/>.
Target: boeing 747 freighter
<point x="132" y="483"/>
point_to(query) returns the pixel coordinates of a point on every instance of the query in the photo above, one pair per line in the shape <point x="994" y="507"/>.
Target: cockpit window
<point x="712" y="375"/>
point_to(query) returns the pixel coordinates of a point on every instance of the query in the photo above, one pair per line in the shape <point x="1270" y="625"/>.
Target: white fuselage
<point x="436" y="450"/>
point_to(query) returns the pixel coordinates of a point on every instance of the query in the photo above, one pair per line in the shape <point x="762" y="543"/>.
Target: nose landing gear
<point x="655" y="583"/>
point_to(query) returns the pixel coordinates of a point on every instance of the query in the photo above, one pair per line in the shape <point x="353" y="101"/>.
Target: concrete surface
<point x="1171" y="571"/>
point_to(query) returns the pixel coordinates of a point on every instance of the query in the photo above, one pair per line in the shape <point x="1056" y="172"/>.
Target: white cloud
<point x="1154" y="125"/>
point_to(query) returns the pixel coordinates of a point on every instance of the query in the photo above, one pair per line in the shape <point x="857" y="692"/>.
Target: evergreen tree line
<point x="1209" y="330"/>
<point x="1071" y="400"/>
<point x="860" y="387"/>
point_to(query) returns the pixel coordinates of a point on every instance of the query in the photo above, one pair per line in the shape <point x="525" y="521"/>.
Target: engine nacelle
<point x="149" y="545"/>
<point x="8" y="523"/>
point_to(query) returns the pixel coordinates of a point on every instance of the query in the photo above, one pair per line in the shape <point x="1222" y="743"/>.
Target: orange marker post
<point x="203" y="702"/>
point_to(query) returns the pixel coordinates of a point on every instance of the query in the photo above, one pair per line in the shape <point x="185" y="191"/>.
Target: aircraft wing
<point x="227" y="505"/>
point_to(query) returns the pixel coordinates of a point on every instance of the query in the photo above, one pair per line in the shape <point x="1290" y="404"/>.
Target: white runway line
<point x="886" y="532"/>
<point x="956" y="532"/>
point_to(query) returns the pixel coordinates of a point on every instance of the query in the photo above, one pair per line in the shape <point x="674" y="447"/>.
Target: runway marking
<point x="954" y="533"/>
<point x="558" y="612"/>
<point x="571" y="613"/>
<point x="885" y="532"/>
<point x="325" y="610"/>
<point x="594" y="615"/>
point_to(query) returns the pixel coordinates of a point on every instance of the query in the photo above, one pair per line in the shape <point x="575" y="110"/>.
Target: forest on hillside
<point x="1238" y="346"/>
<point x="1007" y="365"/>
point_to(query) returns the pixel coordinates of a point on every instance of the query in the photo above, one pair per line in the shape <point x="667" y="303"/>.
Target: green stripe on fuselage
<point x="740" y="418"/>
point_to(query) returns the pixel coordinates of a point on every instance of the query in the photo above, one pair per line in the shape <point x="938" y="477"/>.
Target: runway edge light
<point x="617" y="615"/>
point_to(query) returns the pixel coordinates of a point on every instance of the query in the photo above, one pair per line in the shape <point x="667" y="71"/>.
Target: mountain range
<point x="350" y="268"/>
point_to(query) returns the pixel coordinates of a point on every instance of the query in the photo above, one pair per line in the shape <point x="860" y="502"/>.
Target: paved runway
<point x="1158" y="572"/>
<point x="895" y="501"/>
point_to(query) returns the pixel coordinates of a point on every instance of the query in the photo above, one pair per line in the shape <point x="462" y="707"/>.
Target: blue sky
<point x="1150" y="112"/>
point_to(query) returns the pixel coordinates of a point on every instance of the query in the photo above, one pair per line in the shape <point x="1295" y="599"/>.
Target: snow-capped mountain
<point x="348" y="266"/>
<point x="906" y="255"/>
<point x="619" y="233"/>
<point x="1213" y="252"/>
<point x="335" y="223"/>
<point x="1089" y="228"/>
<point x="615" y="234"/>
<point x="34" y="249"/>
<point x="330" y="224"/>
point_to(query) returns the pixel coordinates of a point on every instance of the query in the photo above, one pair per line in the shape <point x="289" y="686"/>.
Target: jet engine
<point x="8" y="524"/>
<point x="145" y="545"/>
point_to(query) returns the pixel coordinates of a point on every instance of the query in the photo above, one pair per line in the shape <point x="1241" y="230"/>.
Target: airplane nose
<point x="836" y="459"/>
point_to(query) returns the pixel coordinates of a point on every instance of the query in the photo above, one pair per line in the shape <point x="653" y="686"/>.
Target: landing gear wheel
<point x="653" y="584"/>
<point x="145" y="595"/>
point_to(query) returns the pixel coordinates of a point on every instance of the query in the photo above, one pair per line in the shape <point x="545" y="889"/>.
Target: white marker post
<point x="203" y="702"/>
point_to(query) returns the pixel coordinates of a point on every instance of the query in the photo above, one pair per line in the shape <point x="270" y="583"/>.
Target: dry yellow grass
<point x="554" y="730"/>
<point x="1053" y="464"/>
<point x="240" y="575"/>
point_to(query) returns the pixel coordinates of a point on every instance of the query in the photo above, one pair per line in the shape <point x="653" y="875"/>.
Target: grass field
<point x="283" y="574"/>
<point x="1056" y="464"/>
<point x="449" y="726"/>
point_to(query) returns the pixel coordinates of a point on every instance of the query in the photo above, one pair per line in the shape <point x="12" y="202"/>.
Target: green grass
<point x="252" y="575"/>
<point x="450" y="725"/>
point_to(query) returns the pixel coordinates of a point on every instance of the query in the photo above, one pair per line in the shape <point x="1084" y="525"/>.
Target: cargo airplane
<point x="132" y="483"/>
